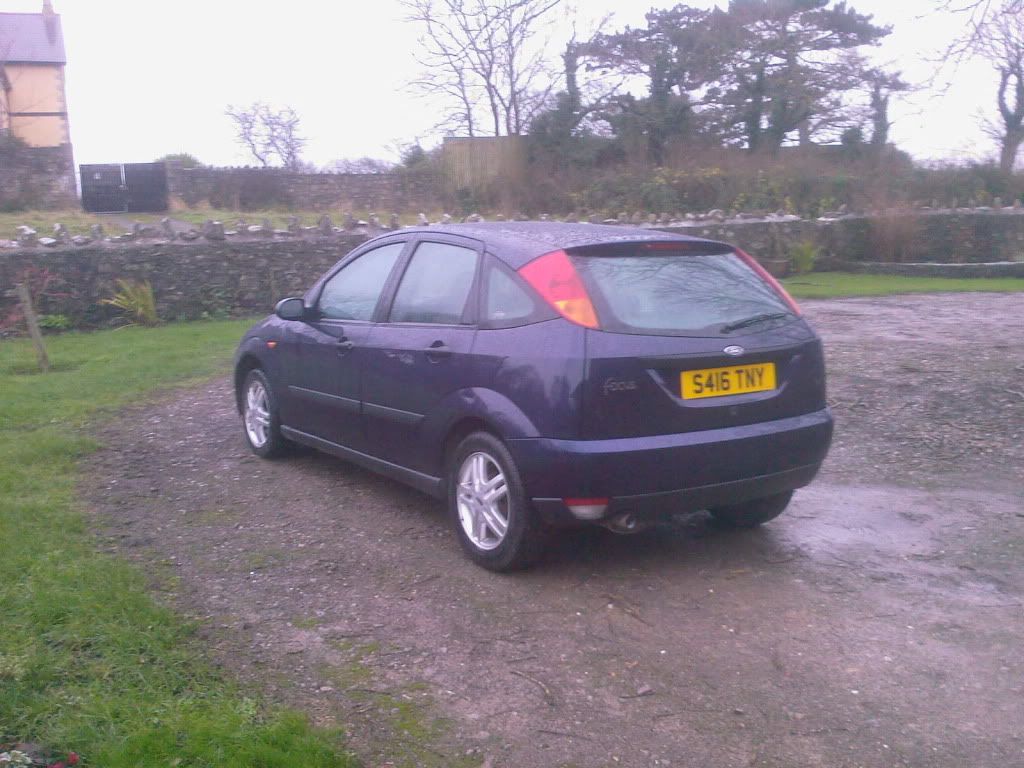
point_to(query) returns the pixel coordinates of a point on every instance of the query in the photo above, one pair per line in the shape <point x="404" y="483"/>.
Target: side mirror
<point x="291" y="309"/>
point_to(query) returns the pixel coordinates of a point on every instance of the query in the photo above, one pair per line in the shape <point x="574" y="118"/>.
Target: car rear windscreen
<point x="677" y="292"/>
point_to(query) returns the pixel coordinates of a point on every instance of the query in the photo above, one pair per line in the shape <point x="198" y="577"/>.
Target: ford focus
<point x="538" y="376"/>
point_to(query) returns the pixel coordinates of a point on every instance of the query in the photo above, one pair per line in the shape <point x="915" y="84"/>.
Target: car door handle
<point x="345" y="346"/>
<point x="436" y="351"/>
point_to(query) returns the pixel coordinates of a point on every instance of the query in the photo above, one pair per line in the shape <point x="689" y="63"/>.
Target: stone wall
<point x="189" y="280"/>
<point x="36" y="177"/>
<point x="255" y="188"/>
<point x="972" y="236"/>
<point x="246" y="273"/>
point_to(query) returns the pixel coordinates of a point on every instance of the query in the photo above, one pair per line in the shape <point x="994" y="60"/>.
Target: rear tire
<point x="261" y="424"/>
<point x="495" y="522"/>
<point x="750" y="514"/>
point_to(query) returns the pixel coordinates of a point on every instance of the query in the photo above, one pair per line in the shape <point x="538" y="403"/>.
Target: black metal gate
<point x="102" y="188"/>
<point x="133" y="188"/>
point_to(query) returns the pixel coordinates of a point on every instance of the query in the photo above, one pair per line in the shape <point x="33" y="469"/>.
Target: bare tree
<point x="283" y="136"/>
<point x="1002" y="43"/>
<point x="359" y="165"/>
<point x="269" y="134"/>
<point x="249" y="131"/>
<point x="978" y="16"/>
<point x="484" y="56"/>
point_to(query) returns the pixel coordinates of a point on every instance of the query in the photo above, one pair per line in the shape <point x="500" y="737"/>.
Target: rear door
<point x="691" y="338"/>
<point x="421" y="353"/>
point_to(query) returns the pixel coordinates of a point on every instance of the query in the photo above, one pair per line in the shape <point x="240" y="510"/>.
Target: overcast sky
<point x="145" y="79"/>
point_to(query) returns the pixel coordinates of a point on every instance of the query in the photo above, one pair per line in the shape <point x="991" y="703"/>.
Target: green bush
<point x="803" y="256"/>
<point x="137" y="302"/>
<point x="55" y="322"/>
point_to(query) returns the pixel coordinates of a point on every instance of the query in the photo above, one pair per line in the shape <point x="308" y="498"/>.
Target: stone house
<point x="33" y="109"/>
<point x="33" y="106"/>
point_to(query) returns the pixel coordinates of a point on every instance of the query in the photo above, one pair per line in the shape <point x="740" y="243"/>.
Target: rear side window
<point x="436" y="285"/>
<point x="506" y="302"/>
<point x="353" y="292"/>
<point x="677" y="293"/>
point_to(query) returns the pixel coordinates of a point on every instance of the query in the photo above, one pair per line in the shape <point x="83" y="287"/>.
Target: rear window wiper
<point x="764" y="317"/>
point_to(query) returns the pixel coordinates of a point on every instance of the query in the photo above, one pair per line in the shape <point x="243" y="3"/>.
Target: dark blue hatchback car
<point x="538" y="375"/>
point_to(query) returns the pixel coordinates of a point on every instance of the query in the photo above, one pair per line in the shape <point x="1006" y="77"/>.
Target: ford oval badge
<point x="734" y="349"/>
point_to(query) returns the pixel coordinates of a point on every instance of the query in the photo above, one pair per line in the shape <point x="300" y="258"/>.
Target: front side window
<point x="353" y="293"/>
<point x="436" y="285"/>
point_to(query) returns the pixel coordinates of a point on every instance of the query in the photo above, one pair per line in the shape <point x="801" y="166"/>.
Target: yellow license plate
<point x="734" y="380"/>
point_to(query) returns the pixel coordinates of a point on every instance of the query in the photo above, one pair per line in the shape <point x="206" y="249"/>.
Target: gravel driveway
<point x="878" y="623"/>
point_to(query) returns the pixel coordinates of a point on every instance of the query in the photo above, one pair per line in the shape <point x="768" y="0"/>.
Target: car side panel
<point x="271" y="359"/>
<point x="540" y="368"/>
<point x="496" y="411"/>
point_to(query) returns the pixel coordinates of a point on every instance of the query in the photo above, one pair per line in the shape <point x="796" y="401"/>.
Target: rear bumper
<point x="682" y="472"/>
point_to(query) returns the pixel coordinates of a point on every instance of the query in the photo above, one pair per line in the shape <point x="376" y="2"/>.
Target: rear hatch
<point x="691" y="336"/>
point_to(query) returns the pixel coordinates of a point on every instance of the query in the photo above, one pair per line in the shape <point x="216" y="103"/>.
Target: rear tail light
<point x="770" y="279"/>
<point x="587" y="509"/>
<point x="555" y="278"/>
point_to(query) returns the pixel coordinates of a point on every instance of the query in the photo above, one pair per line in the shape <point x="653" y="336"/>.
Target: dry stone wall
<point x="973" y="236"/>
<point x="189" y="280"/>
<point x="255" y="188"/>
<point x="219" y="272"/>
<point x="36" y="177"/>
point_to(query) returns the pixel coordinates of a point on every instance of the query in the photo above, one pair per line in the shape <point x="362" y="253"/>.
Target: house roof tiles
<point x="31" y="38"/>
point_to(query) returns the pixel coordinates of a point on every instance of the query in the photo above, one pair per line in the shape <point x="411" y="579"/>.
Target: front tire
<point x="750" y="514"/>
<point x="260" y="421"/>
<point x="495" y="522"/>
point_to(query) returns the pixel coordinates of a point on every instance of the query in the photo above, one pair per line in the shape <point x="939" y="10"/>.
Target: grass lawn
<point x="826" y="285"/>
<point x="88" y="660"/>
<point x="75" y="219"/>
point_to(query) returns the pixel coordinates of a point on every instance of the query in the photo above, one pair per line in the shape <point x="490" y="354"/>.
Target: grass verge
<point x="75" y="220"/>
<point x="828" y="285"/>
<point x="88" y="660"/>
<point x="79" y="222"/>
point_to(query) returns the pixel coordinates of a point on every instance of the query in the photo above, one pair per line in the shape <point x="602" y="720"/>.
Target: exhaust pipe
<point x="625" y="524"/>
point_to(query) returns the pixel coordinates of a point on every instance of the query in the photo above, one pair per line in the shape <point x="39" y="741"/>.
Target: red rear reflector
<point x="769" y="278"/>
<point x="554" y="277"/>
<point x="585" y="502"/>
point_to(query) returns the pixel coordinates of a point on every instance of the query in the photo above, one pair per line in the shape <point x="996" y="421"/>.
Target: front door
<point x="325" y="387"/>
<point x="421" y="353"/>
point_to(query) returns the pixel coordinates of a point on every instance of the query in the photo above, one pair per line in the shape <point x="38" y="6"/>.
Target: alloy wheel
<point x="483" y="501"/>
<point x="257" y="414"/>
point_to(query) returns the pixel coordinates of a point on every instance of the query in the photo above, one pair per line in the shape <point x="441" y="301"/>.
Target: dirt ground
<point x="877" y="623"/>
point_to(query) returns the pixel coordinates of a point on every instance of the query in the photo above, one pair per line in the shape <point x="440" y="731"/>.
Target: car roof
<point x="519" y="242"/>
